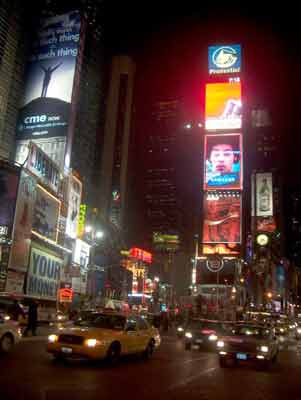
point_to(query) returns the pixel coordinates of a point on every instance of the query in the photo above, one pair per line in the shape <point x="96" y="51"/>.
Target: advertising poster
<point x="264" y="195"/>
<point x="9" y="180"/>
<point x="267" y="224"/>
<point x="224" y="59"/>
<point x="15" y="282"/>
<point x="81" y="253"/>
<point x="49" y="78"/>
<point x="223" y="106"/>
<point x="75" y="194"/>
<point x="222" y="219"/>
<point x="46" y="214"/>
<point x="23" y="223"/>
<point x="43" y="277"/>
<point x="222" y="248"/>
<point x="43" y="167"/>
<point x="223" y="169"/>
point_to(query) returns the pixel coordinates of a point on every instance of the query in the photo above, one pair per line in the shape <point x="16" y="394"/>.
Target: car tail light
<point x="208" y="332"/>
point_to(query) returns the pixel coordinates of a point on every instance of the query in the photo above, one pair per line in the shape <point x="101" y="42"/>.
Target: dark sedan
<point x="204" y="333"/>
<point x="248" y="343"/>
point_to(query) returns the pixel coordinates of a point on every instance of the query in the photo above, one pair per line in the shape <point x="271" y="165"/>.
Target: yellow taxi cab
<point x="104" y="335"/>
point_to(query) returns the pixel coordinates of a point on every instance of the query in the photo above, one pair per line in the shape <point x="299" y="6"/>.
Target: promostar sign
<point x="224" y="59"/>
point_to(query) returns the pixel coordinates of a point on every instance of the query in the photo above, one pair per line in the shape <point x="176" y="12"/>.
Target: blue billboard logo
<point x="224" y="59"/>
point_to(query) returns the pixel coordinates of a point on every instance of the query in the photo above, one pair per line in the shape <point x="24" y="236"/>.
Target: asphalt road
<point x="173" y="373"/>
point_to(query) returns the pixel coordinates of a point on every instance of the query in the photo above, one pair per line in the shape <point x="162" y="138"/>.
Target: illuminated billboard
<point x="223" y="167"/>
<point x="74" y="199"/>
<point x="223" y="106"/>
<point x="46" y="215"/>
<point x="224" y="59"/>
<point x="264" y="195"/>
<point x="49" y="78"/>
<point x="222" y="221"/>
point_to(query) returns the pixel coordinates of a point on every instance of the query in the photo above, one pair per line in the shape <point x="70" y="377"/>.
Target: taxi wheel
<point x="148" y="352"/>
<point x="113" y="354"/>
<point x="6" y="343"/>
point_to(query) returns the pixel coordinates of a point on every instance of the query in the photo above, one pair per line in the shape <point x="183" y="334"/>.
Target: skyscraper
<point x="113" y="182"/>
<point x="13" y="46"/>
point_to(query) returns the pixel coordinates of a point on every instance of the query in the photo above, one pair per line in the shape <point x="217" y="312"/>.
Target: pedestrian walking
<point x="32" y="319"/>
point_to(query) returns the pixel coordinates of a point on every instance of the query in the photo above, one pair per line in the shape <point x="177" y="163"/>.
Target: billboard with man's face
<point x="222" y="218"/>
<point x="223" y="106"/>
<point x="223" y="169"/>
<point x="50" y="72"/>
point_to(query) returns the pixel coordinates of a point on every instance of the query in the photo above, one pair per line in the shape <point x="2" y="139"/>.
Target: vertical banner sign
<point x="46" y="214"/>
<point x="44" y="274"/>
<point x="264" y="195"/>
<point x="81" y="220"/>
<point x="23" y="223"/>
<point x="75" y="194"/>
<point x="49" y="78"/>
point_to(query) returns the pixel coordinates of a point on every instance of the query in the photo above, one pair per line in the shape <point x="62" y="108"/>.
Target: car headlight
<point x="212" y="338"/>
<point x="188" y="335"/>
<point x="59" y="317"/>
<point x="6" y="317"/>
<point x="91" y="342"/>
<point x="299" y="330"/>
<point x="281" y="330"/>
<point x="53" y="338"/>
<point x="180" y="329"/>
<point x="264" y="349"/>
<point x="220" y="344"/>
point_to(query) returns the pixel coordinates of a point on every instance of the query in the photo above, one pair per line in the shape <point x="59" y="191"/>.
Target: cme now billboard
<point x="223" y="162"/>
<point x="222" y="222"/>
<point x="49" y="78"/>
<point x="223" y="106"/>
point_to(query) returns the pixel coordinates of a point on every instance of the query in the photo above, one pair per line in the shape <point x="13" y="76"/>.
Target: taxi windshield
<point x="104" y="321"/>
<point x="250" y="331"/>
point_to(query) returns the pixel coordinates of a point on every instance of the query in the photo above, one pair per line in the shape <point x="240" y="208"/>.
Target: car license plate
<point x="66" y="350"/>
<point x="199" y="341"/>
<point x="241" y="356"/>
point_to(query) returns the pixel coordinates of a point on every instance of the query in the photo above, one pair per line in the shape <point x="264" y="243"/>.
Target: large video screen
<point x="223" y="106"/>
<point x="223" y="169"/>
<point x="222" y="219"/>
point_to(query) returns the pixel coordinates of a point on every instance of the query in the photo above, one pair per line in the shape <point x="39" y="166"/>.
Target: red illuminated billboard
<point x="140" y="254"/>
<point x="222" y="221"/>
<point x="223" y="166"/>
<point x="223" y="106"/>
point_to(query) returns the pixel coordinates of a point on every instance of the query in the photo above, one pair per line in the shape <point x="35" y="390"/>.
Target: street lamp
<point x="99" y="234"/>
<point x="88" y="229"/>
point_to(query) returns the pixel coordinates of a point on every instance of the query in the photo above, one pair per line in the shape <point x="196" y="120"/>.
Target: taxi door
<point x="144" y="333"/>
<point x="132" y="335"/>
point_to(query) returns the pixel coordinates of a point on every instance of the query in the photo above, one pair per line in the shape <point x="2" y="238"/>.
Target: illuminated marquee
<point x="223" y="106"/>
<point x="141" y="255"/>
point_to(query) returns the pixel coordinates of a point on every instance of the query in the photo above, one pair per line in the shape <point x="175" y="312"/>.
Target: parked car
<point x="248" y="342"/>
<point x="10" y="334"/>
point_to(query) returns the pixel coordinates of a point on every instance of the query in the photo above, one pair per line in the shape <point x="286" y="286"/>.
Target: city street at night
<point x="172" y="373"/>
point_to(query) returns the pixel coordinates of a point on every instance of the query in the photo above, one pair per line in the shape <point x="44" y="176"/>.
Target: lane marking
<point x="185" y="381"/>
